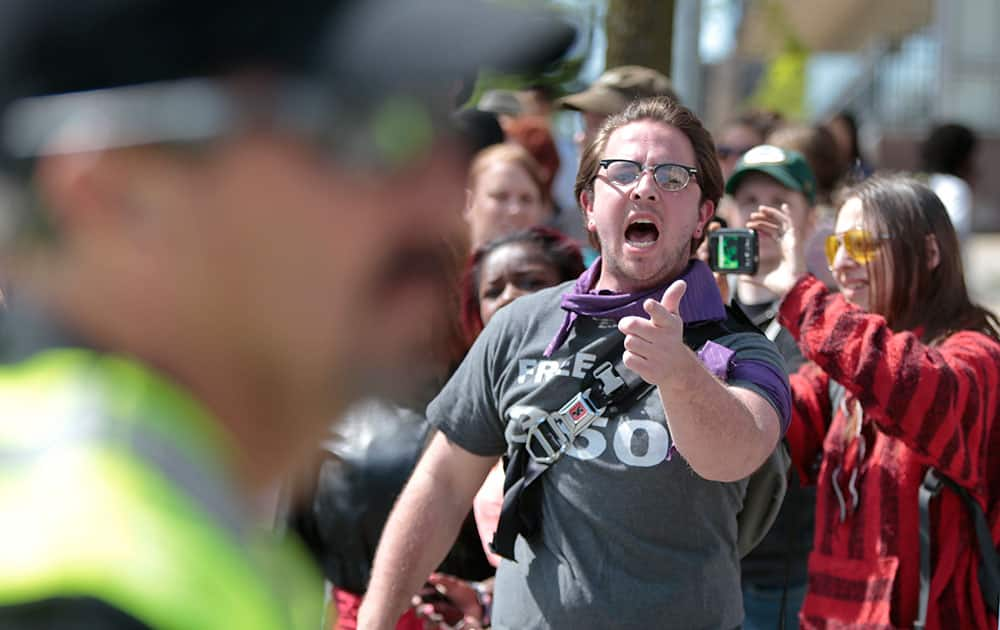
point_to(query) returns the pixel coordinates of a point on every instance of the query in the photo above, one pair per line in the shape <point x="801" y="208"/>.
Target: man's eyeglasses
<point x="860" y="245"/>
<point x="669" y="177"/>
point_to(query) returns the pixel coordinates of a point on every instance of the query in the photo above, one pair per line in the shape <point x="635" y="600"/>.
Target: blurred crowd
<point x="852" y="347"/>
<point x="805" y="170"/>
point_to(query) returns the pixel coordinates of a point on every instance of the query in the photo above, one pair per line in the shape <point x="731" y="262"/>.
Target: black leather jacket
<point x="367" y="459"/>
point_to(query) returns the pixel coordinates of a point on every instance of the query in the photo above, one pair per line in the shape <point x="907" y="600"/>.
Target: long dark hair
<point x="560" y="250"/>
<point x="935" y="300"/>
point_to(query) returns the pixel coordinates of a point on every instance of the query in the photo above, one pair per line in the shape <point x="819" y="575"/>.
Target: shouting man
<point x="631" y="405"/>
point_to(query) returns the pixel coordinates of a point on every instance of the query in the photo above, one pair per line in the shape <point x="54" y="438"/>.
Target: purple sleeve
<point x="764" y="374"/>
<point x="716" y="359"/>
<point x="768" y="380"/>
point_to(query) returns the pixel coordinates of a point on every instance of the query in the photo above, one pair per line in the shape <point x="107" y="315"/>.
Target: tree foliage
<point x="783" y="86"/>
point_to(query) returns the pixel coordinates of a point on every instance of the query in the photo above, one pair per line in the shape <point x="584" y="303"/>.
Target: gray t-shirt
<point x="631" y="537"/>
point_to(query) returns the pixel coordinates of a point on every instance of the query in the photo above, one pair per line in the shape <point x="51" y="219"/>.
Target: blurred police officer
<point x="230" y="213"/>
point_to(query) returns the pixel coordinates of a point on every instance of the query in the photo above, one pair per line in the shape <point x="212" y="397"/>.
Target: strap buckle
<point x="550" y="435"/>
<point x="609" y="378"/>
<point x="554" y="433"/>
<point x="932" y="482"/>
<point x="578" y="414"/>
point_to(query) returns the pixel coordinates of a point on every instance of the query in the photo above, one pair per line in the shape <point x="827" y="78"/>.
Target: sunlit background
<point x="899" y="66"/>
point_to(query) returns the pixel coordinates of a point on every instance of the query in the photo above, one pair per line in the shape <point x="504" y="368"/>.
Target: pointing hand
<point x="652" y="346"/>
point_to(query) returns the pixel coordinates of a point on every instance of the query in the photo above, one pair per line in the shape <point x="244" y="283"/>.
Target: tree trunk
<point x="640" y="32"/>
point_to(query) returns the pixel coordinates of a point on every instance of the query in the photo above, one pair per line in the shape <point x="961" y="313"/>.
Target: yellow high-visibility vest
<point x="114" y="485"/>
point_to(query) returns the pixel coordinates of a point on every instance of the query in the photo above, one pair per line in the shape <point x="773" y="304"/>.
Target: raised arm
<point x="422" y="527"/>
<point x="811" y="417"/>
<point x="724" y="433"/>
<point x="940" y="400"/>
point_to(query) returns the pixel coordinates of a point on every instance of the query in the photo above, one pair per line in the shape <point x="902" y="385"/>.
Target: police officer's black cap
<point x="52" y="47"/>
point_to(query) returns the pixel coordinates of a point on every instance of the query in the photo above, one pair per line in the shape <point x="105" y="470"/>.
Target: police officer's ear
<point x="68" y="189"/>
<point x="104" y="190"/>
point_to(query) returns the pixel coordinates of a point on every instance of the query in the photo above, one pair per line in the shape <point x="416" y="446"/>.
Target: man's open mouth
<point x="641" y="233"/>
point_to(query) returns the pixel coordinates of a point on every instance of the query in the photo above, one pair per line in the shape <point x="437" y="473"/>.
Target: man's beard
<point x="671" y="265"/>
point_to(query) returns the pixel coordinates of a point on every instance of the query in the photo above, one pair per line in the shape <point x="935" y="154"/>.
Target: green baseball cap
<point x="790" y="168"/>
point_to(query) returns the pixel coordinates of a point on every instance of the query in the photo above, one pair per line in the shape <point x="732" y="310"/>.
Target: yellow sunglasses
<point x="860" y="245"/>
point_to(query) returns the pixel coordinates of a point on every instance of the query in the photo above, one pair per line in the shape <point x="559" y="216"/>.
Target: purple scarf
<point x="701" y="301"/>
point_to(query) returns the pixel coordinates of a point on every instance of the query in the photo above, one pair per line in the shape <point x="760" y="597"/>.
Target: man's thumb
<point x="672" y="296"/>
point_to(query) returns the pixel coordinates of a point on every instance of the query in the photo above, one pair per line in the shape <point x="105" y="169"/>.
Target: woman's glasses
<point x="860" y="245"/>
<point x="669" y="177"/>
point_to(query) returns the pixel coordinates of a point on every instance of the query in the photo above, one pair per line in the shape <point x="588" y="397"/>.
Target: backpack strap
<point x="989" y="561"/>
<point x="605" y="386"/>
<point x="930" y="487"/>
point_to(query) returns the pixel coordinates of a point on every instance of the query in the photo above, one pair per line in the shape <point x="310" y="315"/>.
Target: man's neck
<point x="609" y="280"/>
<point x="611" y="285"/>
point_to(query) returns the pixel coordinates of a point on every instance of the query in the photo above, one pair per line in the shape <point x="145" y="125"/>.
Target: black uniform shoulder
<point x="67" y="612"/>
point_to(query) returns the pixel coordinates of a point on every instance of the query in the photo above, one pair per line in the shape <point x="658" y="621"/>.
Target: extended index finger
<point x="658" y="313"/>
<point x="672" y="296"/>
<point x="638" y="327"/>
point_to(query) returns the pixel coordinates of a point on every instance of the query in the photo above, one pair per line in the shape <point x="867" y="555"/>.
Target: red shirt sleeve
<point x="940" y="400"/>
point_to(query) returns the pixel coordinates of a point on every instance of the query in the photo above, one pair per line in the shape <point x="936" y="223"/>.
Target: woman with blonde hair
<point x="506" y="192"/>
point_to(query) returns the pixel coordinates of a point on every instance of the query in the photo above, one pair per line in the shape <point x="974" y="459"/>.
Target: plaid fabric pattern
<point x="923" y="405"/>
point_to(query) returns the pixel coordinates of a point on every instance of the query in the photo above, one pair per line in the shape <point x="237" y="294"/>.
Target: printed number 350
<point x="591" y="443"/>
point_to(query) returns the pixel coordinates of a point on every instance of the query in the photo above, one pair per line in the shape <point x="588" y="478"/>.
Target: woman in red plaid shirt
<point x="919" y="364"/>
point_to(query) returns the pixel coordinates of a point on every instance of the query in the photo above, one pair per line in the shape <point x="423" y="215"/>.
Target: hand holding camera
<point x="778" y="224"/>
